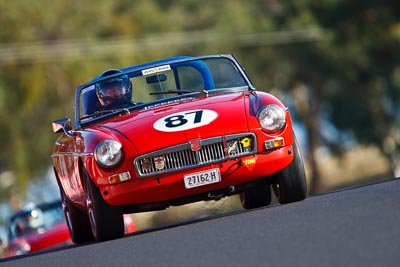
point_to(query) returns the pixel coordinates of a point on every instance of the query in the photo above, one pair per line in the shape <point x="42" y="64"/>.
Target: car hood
<point x="175" y="123"/>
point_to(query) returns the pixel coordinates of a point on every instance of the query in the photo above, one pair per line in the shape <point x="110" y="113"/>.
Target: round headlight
<point x="272" y="118"/>
<point x="108" y="153"/>
<point x="22" y="248"/>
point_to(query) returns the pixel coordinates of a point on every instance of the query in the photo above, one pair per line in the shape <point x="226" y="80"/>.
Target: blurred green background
<point x="335" y="64"/>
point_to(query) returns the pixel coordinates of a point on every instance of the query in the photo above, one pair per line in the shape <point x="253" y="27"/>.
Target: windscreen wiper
<point x="106" y="111"/>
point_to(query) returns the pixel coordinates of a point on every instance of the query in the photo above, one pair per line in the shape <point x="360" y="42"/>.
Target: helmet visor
<point x="114" y="88"/>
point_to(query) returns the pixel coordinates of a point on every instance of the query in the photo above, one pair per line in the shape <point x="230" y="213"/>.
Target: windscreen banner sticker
<point x="156" y="69"/>
<point x="185" y="120"/>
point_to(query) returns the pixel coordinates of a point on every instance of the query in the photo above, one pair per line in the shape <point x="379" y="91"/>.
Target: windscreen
<point x="163" y="82"/>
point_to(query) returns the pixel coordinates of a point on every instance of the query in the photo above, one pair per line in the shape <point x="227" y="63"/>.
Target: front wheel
<point x="290" y="184"/>
<point x="77" y="221"/>
<point x="106" y="221"/>
<point x="257" y="196"/>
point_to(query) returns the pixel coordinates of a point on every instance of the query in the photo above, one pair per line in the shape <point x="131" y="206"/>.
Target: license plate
<point x="202" y="178"/>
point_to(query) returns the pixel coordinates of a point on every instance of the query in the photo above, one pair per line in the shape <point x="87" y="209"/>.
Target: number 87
<point x="179" y="120"/>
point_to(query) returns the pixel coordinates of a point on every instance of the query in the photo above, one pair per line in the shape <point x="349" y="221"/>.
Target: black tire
<point x="77" y="221"/>
<point x="256" y="196"/>
<point x="290" y="184"/>
<point x="106" y="221"/>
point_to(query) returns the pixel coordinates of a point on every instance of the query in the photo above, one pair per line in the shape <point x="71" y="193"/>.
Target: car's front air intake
<point x="196" y="153"/>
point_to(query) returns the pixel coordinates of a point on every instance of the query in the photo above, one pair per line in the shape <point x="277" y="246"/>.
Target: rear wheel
<point x="106" y="221"/>
<point x="77" y="221"/>
<point x="290" y="184"/>
<point x="257" y="196"/>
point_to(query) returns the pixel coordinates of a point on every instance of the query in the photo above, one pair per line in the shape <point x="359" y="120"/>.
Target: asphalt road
<point x="353" y="227"/>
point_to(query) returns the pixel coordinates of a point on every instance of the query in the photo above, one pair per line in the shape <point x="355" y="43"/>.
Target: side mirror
<point x="62" y="125"/>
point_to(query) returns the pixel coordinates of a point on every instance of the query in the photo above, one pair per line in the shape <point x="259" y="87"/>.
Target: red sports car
<point x="42" y="227"/>
<point x="172" y="132"/>
<point x="36" y="228"/>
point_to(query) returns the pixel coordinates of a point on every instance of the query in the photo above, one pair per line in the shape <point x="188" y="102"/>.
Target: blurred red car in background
<point x="40" y="227"/>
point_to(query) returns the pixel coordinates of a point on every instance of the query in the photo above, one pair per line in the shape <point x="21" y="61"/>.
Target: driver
<point x="115" y="92"/>
<point x="32" y="221"/>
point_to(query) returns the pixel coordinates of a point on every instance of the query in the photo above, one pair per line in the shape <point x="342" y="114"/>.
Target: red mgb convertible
<point x="35" y="228"/>
<point x="172" y="132"/>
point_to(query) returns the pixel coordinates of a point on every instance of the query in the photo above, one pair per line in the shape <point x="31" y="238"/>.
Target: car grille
<point x="196" y="153"/>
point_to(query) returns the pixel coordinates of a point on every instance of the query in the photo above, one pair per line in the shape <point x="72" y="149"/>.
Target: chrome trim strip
<point x="85" y="154"/>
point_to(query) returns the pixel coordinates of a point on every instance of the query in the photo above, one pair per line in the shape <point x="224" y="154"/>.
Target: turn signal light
<point x="274" y="143"/>
<point x="119" y="178"/>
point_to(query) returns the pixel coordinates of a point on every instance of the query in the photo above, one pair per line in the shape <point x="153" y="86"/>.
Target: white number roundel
<point x="185" y="120"/>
